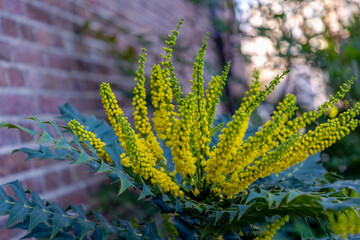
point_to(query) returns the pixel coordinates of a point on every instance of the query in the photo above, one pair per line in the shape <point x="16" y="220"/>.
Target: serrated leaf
<point x="4" y="195"/>
<point x="146" y="191"/>
<point x="339" y="205"/>
<point x="62" y="143"/>
<point x="37" y="216"/>
<point x="27" y="130"/>
<point x="86" y="226"/>
<point x="46" y="138"/>
<point x="218" y="215"/>
<point x="60" y="221"/>
<point x="232" y="215"/>
<point x="17" y="213"/>
<point x="242" y="210"/>
<point x="104" y="168"/>
<point x="125" y="183"/>
<point x="292" y="195"/>
<point x="19" y="192"/>
<point x="254" y="195"/>
<point x="4" y="206"/>
<point x="83" y="158"/>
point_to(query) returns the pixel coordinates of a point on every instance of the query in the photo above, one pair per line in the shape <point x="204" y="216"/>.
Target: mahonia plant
<point x="210" y="179"/>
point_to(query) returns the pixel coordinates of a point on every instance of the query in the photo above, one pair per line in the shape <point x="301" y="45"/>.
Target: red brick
<point x="82" y="172"/>
<point x="16" y="77"/>
<point x="28" y="55"/>
<point x="9" y="27"/>
<point x="14" y="163"/>
<point x="33" y="184"/>
<point x="38" y="14"/>
<point x="64" y="23"/>
<point x="25" y="137"/>
<point x="51" y="181"/>
<point x="4" y="51"/>
<point x="43" y="37"/>
<point x="33" y="79"/>
<point x="13" y="6"/>
<point x="44" y="163"/>
<point x="12" y="105"/>
<point x="65" y="176"/>
<point x="76" y="198"/>
<point x="49" y="104"/>
<point x="8" y="136"/>
<point x="26" y="32"/>
<point x="61" y="62"/>
<point x="3" y="77"/>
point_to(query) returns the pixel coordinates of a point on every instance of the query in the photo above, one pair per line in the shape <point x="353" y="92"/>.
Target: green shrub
<point x="210" y="180"/>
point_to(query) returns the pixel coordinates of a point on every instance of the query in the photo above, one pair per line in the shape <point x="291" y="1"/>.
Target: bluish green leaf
<point x="146" y="191"/>
<point x="86" y="226"/>
<point x="4" y="206"/>
<point x="27" y="130"/>
<point x="125" y="183"/>
<point x="104" y="168"/>
<point x="19" y="192"/>
<point x="83" y="158"/>
<point x="218" y="215"/>
<point x="232" y="215"/>
<point x="60" y="221"/>
<point x="37" y="216"/>
<point x="62" y="143"/>
<point x="46" y="138"/>
<point x="17" y="213"/>
<point x="242" y="210"/>
<point x="254" y="195"/>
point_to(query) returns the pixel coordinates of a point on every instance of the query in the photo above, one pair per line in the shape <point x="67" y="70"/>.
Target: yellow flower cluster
<point x="212" y="96"/>
<point x="162" y="96"/>
<point x="142" y="160"/>
<point x="141" y="120"/>
<point x="297" y="148"/>
<point x="84" y="135"/>
<point x="270" y="231"/>
<point x="201" y="132"/>
<point x="183" y="157"/>
<point x="232" y="135"/>
<point x="233" y="163"/>
<point x="345" y="222"/>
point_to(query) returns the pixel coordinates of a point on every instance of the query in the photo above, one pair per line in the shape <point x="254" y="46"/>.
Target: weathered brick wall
<point x="44" y="63"/>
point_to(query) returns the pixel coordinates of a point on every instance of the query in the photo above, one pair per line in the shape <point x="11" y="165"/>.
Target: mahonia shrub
<point x="210" y="179"/>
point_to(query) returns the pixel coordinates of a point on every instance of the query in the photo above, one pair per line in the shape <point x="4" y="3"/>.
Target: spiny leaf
<point x="62" y="143"/>
<point x="218" y="215"/>
<point x="60" y="221"/>
<point x="232" y="215"/>
<point x="125" y="183"/>
<point x="27" y="130"/>
<point x="37" y="216"/>
<point x="254" y="195"/>
<point x="17" y="213"/>
<point x="83" y="158"/>
<point x="19" y="191"/>
<point x="46" y="138"/>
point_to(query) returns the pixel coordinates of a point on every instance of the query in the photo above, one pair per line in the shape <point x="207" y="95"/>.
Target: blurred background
<point x="53" y="52"/>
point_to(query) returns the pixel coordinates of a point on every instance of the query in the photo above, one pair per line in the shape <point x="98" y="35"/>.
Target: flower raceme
<point x="185" y="124"/>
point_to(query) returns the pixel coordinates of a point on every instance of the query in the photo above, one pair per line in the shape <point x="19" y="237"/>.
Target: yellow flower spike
<point x="162" y="96"/>
<point x="141" y="120"/>
<point x="212" y="95"/>
<point x="271" y="230"/>
<point x="200" y="128"/>
<point x="113" y="111"/>
<point x="84" y="135"/>
<point x="308" y="117"/>
<point x="265" y="139"/>
<point x="183" y="158"/>
<point x="232" y="135"/>
<point x="344" y="222"/>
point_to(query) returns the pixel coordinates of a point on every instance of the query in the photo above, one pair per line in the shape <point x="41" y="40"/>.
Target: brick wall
<point x="45" y="62"/>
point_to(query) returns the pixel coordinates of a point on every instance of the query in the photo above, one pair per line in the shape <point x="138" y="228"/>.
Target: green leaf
<point x="37" y="216"/>
<point x="46" y="138"/>
<point x="125" y="183"/>
<point x="242" y="210"/>
<point x="62" y="143"/>
<point x="4" y="206"/>
<point x="218" y="215"/>
<point x="104" y="168"/>
<point x="17" y="213"/>
<point x="27" y="130"/>
<point x="232" y="215"/>
<point x="19" y="192"/>
<point x="60" y="221"/>
<point x="83" y="158"/>
<point x="254" y="195"/>
<point x="292" y="195"/>
<point x="86" y="226"/>
<point x="146" y="191"/>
